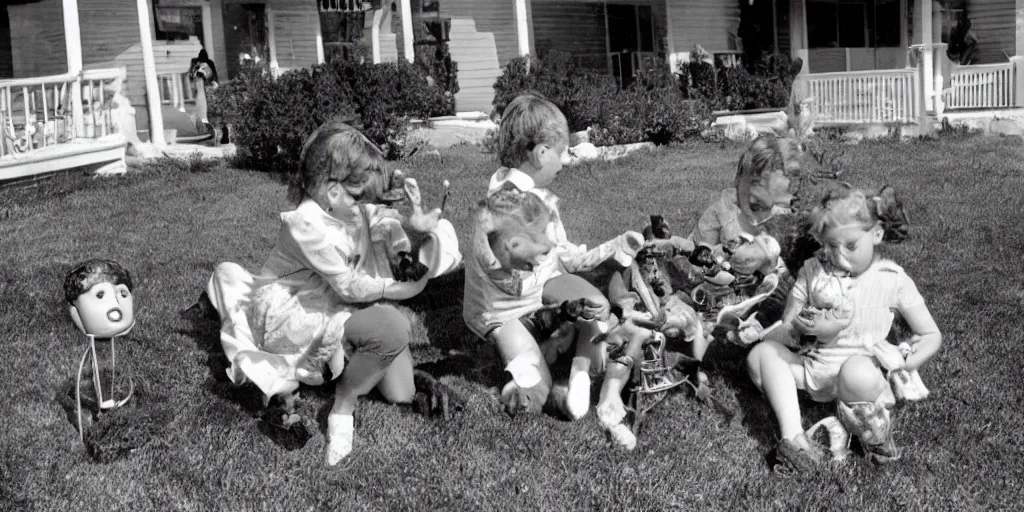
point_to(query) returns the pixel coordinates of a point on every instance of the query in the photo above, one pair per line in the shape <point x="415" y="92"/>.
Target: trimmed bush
<point x="652" y="108"/>
<point x="763" y="84"/>
<point x="271" y="118"/>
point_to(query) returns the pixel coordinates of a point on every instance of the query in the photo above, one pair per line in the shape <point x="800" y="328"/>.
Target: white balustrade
<point x="980" y="86"/>
<point x="876" y="96"/>
<point x="36" y="112"/>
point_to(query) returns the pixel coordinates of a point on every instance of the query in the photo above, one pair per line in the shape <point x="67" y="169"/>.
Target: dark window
<point x="177" y="23"/>
<point x="645" y="25"/>
<point x="853" y="23"/>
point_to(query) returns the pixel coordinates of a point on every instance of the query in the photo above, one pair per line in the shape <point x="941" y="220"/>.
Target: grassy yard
<point x="964" y="447"/>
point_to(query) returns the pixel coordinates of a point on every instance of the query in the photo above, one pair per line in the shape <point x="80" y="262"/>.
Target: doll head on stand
<point x="99" y="296"/>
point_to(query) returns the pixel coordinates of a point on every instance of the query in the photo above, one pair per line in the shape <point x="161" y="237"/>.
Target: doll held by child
<point x="321" y="299"/>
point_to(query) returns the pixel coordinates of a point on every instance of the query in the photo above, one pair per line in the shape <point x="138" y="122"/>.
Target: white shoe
<point x="622" y="436"/>
<point x="341" y="431"/>
<point x="578" y="400"/>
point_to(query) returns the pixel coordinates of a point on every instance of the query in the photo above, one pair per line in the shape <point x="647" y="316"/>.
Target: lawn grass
<point x="964" y="446"/>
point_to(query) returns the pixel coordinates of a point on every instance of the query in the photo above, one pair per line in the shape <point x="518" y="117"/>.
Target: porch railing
<point x="981" y="86"/>
<point x="862" y="96"/>
<point x="37" y="112"/>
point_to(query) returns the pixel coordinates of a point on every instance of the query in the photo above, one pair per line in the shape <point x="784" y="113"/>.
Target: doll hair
<point x="92" y="272"/>
<point x="845" y="205"/>
<point x="766" y="154"/>
<point x="529" y="120"/>
<point x="336" y="151"/>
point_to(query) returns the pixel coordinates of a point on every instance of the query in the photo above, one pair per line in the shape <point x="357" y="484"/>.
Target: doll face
<point x="851" y="248"/>
<point x="105" y="311"/>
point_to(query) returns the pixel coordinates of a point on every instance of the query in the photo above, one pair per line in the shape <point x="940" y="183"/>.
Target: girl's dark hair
<point x="336" y="151"/>
<point x="92" y="272"/>
<point x="766" y="154"/>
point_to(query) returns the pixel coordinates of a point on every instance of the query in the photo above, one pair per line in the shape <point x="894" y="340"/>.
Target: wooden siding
<point x="295" y="37"/>
<point x="993" y="22"/>
<point x="703" y="22"/>
<point x="495" y="16"/>
<point x="170" y="57"/>
<point x="477" y="56"/>
<point x="37" y="39"/>
<point x="782" y="26"/>
<point x="571" y="27"/>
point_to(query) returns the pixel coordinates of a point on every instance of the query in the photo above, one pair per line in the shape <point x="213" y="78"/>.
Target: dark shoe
<point x="203" y="308"/>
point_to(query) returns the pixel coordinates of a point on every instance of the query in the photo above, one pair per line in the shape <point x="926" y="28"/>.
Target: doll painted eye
<point x="99" y="294"/>
<point x="124" y="294"/>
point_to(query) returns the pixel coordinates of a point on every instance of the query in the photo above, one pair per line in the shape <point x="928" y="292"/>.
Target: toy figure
<point x="99" y="295"/>
<point x="101" y="305"/>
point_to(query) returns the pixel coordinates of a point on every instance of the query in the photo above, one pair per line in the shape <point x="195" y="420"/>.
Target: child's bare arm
<point x="923" y="325"/>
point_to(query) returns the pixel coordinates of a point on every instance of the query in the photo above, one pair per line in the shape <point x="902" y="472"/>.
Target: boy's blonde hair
<point x="847" y="206"/>
<point x="336" y="151"/>
<point x="529" y="120"/>
<point x="766" y="154"/>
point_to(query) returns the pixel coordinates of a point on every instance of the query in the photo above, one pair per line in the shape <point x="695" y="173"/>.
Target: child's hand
<point x="670" y="247"/>
<point x="424" y="222"/>
<point x="823" y="324"/>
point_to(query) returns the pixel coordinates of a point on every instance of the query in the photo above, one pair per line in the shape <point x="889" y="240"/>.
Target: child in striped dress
<point x="843" y="363"/>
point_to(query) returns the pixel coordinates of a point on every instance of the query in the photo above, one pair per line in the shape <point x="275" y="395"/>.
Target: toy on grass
<point x="100" y="302"/>
<point x="101" y="305"/>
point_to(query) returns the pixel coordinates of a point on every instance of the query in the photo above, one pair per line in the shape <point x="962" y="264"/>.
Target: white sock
<point x="341" y="432"/>
<point x="578" y="399"/>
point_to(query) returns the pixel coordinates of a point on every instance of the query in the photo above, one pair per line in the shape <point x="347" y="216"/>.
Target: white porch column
<point x="673" y="61"/>
<point x="271" y="42"/>
<point x="73" y="47"/>
<point x="378" y="18"/>
<point x="923" y="30"/>
<point x="319" y="40"/>
<point x="208" y="31"/>
<point x="522" y="28"/>
<point x="1020" y="27"/>
<point x="156" y="118"/>
<point x="406" y="7"/>
<point x="219" y="54"/>
<point x="798" y="32"/>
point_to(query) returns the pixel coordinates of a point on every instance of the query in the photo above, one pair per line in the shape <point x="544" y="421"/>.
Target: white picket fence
<point x="889" y="95"/>
<point x="981" y="86"/>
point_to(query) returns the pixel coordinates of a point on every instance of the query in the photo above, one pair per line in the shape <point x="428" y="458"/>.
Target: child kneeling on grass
<point x="504" y="305"/>
<point x="313" y="304"/>
<point x="845" y="299"/>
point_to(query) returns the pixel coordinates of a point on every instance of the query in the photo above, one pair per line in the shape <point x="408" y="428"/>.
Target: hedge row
<point x="271" y="117"/>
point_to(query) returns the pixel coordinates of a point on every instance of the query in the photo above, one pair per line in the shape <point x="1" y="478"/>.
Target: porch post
<point x="798" y="33"/>
<point x="218" y="49"/>
<point x="523" y="28"/>
<point x="156" y="118"/>
<point x="73" y="47"/>
<point x="923" y="21"/>
<point x="673" y="62"/>
<point x="378" y="16"/>
<point x="271" y="41"/>
<point x="207" y="11"/>
<point x="406" y="6"/>
<point x="319" y="40"/>
<point x="1020" y="27"/>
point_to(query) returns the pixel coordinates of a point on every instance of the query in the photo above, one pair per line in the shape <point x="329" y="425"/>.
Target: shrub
<point x="579" y="92"/>
<point x="271" y="118"/>
<point x="765" y="83"/>
<point x="650" y="109"/>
